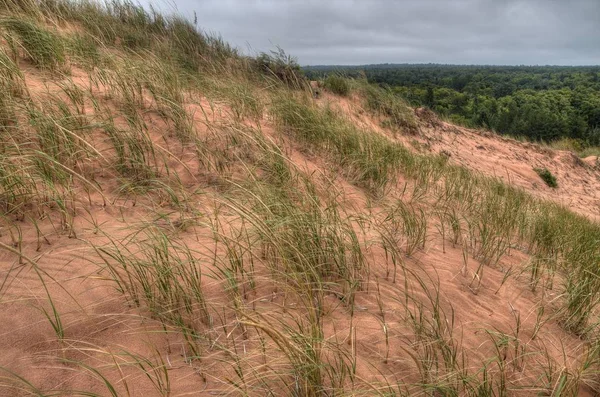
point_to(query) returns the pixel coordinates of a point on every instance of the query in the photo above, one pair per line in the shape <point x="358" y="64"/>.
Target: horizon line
<point x="451" y="64"/>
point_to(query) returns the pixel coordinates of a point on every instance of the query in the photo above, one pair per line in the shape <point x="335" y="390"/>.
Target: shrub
<point x="546" y="176"/>
<point x="337" y="85"/>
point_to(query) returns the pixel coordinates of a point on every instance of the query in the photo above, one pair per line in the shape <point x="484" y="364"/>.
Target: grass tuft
<point x="547" y="177"/>
<point x="43" y="47"/>
<point x="383" y="102"/>
<point x="337" y="85"/>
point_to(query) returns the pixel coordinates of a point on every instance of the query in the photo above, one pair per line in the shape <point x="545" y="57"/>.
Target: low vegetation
<point x="546" y="176"/>
<point x="385" y="103"/>
<point x="541" y="103"/>
<point x="43" y="47"/>
<point x="178" y="217"/>
<point x="337" y="85"/>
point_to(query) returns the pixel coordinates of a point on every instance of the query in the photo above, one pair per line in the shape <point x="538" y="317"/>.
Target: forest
<point x="539" y="103"/>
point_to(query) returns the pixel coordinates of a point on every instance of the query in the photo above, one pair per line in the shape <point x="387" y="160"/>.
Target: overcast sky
<point x="532" y="32"/>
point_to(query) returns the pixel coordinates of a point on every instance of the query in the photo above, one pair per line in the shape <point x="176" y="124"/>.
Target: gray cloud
<point x="565" y="32"/>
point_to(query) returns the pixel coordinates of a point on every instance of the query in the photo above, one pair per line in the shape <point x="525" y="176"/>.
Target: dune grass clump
<point x="281" y="67"/>
<point x="83" y="50"/>
<point x="43" y="47"/>
<point x="383" y="102"/>
<point x="18" y="188"/>
<point x="56" y="139"/>
<point x="311" y="250"/>
<point x="547" y="177"/>
<point x="10" y="87"/>
<point x="307" y="241"/>
<point x="337" y="85"/>
<point x="131" y="27"/>
<point x="7" y="117"/>
<point x="11" y="77"/>
<point x="368" y="160"/>
<point x="165" y="278"/>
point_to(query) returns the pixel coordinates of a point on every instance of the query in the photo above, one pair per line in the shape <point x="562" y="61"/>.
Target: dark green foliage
<point x="542" y="103"/>
<point x="546" y="176"/>
<point x="44" y="48"/>
<point x="337" y="85"/>
<point x="430" y="98"/>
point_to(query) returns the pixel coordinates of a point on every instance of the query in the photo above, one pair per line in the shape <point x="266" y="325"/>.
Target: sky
<point x="357" y="32"/>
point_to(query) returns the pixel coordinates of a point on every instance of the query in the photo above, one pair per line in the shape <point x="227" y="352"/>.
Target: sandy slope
<point x="494" y="155"/>
<point x="99" y="325"/>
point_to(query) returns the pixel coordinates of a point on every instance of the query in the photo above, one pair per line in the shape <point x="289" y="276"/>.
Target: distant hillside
<point x="541" y="103"/>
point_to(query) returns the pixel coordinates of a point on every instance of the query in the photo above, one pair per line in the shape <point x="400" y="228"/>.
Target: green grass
<point x="368" y="160"/>
<point x="337" y="85"/>
<point x="577" y="146"/>
<point x="497" y="214"/>
<point x="412" y="226"/>
<point x="280" y="68"/>
<point x="84" y="50"/>
<point x="11" y="77"/>
<point x="43" y="47"/>
<point x="547" y="177"/>
<point x="380" y="101"/>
